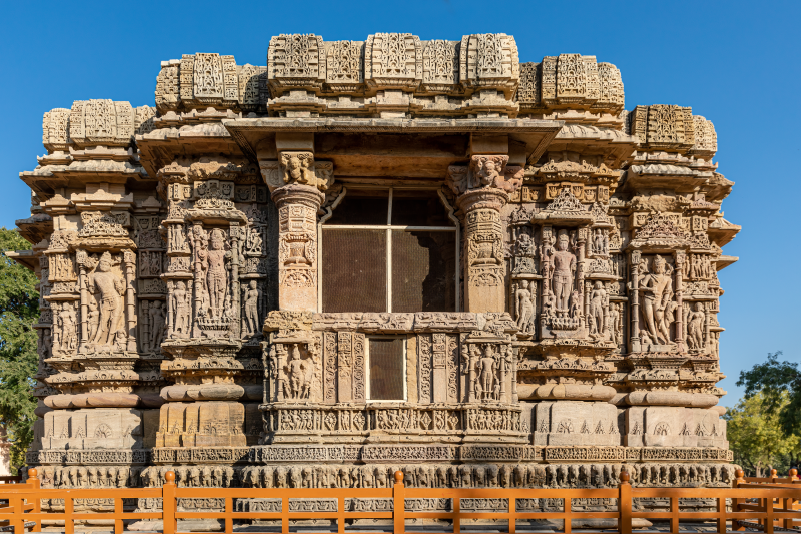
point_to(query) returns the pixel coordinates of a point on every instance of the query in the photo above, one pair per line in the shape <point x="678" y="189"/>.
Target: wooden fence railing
<point x="767" y="505"/>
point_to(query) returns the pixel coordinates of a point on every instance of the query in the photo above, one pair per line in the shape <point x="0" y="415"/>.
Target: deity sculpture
<point x="598" y="303"/>
<point x="201" y="263"/>
<point x="297" y="371"/>
<point x="67" y="325"/>
<point x="217" y="277"/>
<point x="524" y="250"/>
<point x="254" y="242"/>
<point x="695" y="327"/>
<point x="94" y="319"/>
<point x="562" y="267"/>
<point x="524" y="307"/>
<point x="616" y="324"/>
<point x="181" y="311"/>
<point x="485" y="375"/>
<point x="658" y="307"/>
<point x="157" y="322"/>
<point x="600" y="243"/>
<point x="251" y="301"/>
<point x="110" y="288"/>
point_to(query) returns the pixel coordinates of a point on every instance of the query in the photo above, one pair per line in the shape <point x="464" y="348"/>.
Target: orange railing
<point x="769" y="506"/>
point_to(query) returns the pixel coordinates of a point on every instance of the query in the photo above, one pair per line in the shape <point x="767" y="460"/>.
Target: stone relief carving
<point x="180" y="323"/>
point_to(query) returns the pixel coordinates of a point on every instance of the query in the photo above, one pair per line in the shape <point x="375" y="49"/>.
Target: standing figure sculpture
<point x="563" y="267"/>
<point x="524" y="307"/>
<point x="68" y="323"/>
<point x="295" y="370"/>
<point x="217" y="281"/>
<point x="156" y="325"/>
<point x="658" y="306"/>
<point x="485" y="375"/>
<point x="695" y="327"/>
<point x="180" y="306"/>
<point x="598" y="302"/>
<point x="110" y="288"/>
<point x="251" y="301"/>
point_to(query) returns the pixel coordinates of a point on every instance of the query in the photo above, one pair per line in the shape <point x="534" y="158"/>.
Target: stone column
<point x="680" y="258"/>
<point x="129" y="263"/>
<point x="297" y="246"/>
<point x="635" y="300"/>
<point x="483" y="249"/>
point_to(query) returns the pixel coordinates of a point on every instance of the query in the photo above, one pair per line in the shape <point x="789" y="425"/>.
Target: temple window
<point x="389" y="250"/>
<point x="386" y="369"/>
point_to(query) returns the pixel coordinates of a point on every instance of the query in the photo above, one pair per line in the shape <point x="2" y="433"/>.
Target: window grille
<point x="386" y="369"/>
<point x="390" y="250"/>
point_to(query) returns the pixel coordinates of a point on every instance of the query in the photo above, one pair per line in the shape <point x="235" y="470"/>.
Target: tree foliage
<point x="19" y="311"/>
<point x="757" y="438"/>
<point x="780" y="385"/>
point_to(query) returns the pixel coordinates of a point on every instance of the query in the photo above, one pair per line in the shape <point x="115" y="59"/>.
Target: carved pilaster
<point x="484" y="254"/>
<point x="634" y="263"/>
<point x="297" y="247"/>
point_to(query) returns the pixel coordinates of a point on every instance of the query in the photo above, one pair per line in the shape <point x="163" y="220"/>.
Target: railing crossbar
<point x="768" y="504"/>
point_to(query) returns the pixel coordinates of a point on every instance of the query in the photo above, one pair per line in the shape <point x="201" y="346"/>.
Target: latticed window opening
<point x="389" y="250"/>
<point x="386" y="369"/>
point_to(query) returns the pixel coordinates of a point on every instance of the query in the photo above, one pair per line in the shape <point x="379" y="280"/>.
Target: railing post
<point x="398" y="505"/>
<point x="35" y="484"/>
<point x="168" y="503"/>
<point x="790" y="523"/>
<point x="769" y="515"/>
<point x="17" y="521"/>
<point x="624" y="504"/>
<point x="774" y="475"/>
<point x="735" y="503"/>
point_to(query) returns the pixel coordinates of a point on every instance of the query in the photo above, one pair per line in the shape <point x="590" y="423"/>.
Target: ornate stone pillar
<point x="680" y="258"/>
<point x="129" y="266"/>
<point x="635" y="300"/>
<point x="297" y="246"/>
<point x="483" y="249"/>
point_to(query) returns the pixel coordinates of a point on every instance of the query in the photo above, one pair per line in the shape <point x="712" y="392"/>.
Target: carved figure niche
<point x="211" y="264"/>
<point x="294" y="371"/>
<point x="562" y="299"/>
<point x="105" y="299"/>
<point x="658" y="307"/>
<point x="524" y="270"/>
<point x="490" y="371"/>
<point x="152" y="317"/>
<point x="251" y="200"/>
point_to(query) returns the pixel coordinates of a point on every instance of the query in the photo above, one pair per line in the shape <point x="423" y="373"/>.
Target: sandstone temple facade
<point x="377" y="255"/>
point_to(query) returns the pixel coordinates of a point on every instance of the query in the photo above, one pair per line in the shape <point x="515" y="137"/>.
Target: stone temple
<point x="376" y="255"/>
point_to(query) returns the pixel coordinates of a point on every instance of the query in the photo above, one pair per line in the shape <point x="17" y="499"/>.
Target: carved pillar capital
<point x="297" y="167"/>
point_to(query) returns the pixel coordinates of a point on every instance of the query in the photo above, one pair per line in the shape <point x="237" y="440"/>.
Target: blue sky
<point x="736" y="63"/>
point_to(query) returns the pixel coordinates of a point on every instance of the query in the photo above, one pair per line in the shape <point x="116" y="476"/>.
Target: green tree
<point x="19" y="311"/>
<point x="757" y="438"/>
<point x="780" y="385"/>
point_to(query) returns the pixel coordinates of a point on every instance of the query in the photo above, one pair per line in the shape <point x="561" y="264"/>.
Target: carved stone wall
<point x="181" y="271"/>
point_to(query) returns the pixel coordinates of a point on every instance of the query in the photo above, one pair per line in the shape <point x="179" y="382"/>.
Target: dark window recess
<point x="423" y="271"/>
<point x="362" y="206"/>
<point x="386" y="369"/>
<point x="354" y="271"/>
<point x="418" y="208"/>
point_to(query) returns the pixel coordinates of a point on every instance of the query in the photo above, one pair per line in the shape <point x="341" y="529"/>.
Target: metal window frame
<point x="389" y="227"/>
<point x="404" y="378"/>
